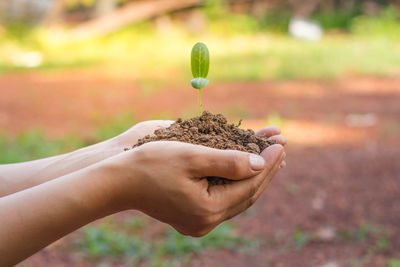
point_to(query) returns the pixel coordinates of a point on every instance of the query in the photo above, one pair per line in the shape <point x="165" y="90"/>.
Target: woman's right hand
<point x="166" y="180"/>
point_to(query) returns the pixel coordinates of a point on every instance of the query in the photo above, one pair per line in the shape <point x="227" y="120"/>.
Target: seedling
<point x="200" y="63"/>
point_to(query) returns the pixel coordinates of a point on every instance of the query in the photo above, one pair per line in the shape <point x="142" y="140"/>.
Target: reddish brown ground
<point x="338" y="176"/>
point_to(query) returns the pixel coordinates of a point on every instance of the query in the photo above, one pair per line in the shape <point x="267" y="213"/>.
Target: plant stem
<point x="200" y="105"/>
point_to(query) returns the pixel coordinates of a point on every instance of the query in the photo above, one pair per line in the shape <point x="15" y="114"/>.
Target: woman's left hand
<point x="130" y="137"/>
<point x="273" y="133"/>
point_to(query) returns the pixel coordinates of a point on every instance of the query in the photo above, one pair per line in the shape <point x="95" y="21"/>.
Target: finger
<point x="230" y="164"/>
<point x="271" y="175"/>
<point x="280" y="139"/>
<point x="230" y="195"/>
<point x="268" y="131"/>
<point x="244" y="205"/>
<point x="283" y="164"/>
<point x="156" y="124"/>
<point x="163" y="123"/>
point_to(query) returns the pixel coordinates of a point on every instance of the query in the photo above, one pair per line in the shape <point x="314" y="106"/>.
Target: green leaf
<point x="199" y="83"/>
<point x="200" y="60"/>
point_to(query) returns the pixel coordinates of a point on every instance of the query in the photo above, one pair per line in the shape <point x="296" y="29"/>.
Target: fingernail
<point x="256" y="162"/>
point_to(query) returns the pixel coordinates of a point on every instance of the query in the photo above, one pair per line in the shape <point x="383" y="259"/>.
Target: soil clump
<point x="212" y="131"/>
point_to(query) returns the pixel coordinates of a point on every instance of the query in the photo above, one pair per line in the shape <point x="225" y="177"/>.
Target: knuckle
<point x="236" y="165"/>
<point x="192" y="160"/>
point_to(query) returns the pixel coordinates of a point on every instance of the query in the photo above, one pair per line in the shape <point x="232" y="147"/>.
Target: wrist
<point x="119" y="179"/>
<point x="98" y="192"/>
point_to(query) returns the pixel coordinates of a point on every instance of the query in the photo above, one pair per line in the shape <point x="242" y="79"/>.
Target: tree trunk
<point x="130" y="13"/>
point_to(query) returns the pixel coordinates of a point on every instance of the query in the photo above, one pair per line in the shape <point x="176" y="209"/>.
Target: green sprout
<point x="200" y="62"/>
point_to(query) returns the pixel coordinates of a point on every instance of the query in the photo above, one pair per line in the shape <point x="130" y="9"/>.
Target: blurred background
<point x="75" y="72"/>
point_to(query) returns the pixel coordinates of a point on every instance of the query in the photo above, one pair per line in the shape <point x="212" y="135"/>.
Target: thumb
<point x="237" y="197"/>
<point x="230" y="164"/>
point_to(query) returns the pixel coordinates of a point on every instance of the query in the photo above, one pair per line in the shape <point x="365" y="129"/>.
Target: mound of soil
<point x="212" y="131"/>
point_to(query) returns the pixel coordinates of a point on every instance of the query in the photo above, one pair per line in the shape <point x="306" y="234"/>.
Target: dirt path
<point x="79" y="101"/>
<point x="338" y="200"/>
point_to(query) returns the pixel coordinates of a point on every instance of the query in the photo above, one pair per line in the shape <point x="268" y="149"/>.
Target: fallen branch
<point x="130" y="13"/>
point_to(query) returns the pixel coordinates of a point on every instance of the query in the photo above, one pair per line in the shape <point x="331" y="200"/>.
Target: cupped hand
<point x="130" y="137"/>
<point x="166" y="180"/>
<point x="141" y="129"/>
<point x="273" y="133"/>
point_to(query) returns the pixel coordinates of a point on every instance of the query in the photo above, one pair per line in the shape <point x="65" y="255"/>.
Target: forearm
<point x="33" y="218"/>
<point x="17" y="177"/>
<point x="20" y="176"/>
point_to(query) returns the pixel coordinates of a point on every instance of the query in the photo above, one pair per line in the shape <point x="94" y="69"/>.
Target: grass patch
<point x="376" y="237"/>
<point x="300" y="239"/>
<point x="33" y="144"/>
<point x="242" y="49"/>
<point x="123" y="242"/>
<point x="222" y="237"/>
<point x="103" y="241"/>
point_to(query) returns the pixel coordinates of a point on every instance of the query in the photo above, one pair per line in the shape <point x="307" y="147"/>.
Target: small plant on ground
<point x="200" y="63"/>
<point x="300" y="239"/>
<point x="102" y="241"/>
<point x="222" y="237"/>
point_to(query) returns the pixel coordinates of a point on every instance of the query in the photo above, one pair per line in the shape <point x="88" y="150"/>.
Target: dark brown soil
<point x="212" y="131"/>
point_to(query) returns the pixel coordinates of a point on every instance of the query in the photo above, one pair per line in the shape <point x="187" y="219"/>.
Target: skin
<point x="16" y="177"/>
<point x="46" y="199"/>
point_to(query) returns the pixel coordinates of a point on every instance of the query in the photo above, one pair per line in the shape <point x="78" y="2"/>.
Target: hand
<point x="166" y="180"/>
<point x="273" y="133"/>
<point x="130" y="137"/>
<point x="141" y="129"/>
